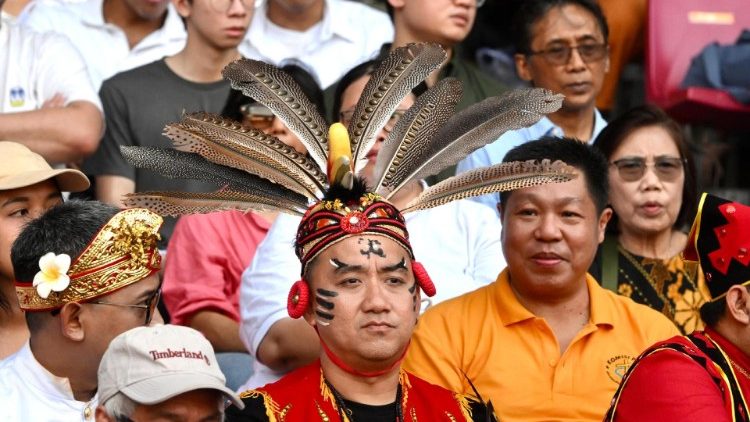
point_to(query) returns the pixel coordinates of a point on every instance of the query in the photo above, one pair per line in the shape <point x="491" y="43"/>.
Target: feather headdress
<point x="259" y="172"/>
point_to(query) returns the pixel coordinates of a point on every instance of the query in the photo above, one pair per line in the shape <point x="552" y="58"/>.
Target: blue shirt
<point x="495" y="152"/>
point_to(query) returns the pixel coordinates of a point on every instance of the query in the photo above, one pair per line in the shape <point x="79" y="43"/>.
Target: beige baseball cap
<point x="153" y="364"/>
<point x="22" y="167"/>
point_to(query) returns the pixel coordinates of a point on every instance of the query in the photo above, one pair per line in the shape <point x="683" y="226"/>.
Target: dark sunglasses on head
<point x="667" y="169"/>
<point x="258" y="115"/>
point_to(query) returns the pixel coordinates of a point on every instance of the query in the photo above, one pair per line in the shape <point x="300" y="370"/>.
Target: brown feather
<point x="480" y="124"/>
<point x="498" y="178"/>
<point x="275" y="89"/>
<point x="230" y="144"/>
<point x="409" y="141"/>
<point x="182" y="203"/>
<point x="402" y="70"/>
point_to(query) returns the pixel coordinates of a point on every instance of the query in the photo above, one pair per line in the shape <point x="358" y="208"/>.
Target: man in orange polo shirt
<point x="544" y="341"/>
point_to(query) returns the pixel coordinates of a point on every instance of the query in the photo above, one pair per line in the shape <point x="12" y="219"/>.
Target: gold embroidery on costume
<point x="272" y="409"/>
<point x="451" y="417"/>
<point x="413" y="414"/>
<point x="323" y="415"/>
<point x="122" y="252"/>
<point x="463" y="404"/>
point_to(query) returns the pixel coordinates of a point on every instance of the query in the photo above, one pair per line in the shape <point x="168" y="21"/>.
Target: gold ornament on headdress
<point x="258" y="172"/>
<point x="122" y="252"/>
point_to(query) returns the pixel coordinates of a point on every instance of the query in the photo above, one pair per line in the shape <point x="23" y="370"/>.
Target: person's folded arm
<point x="59" y="134"/>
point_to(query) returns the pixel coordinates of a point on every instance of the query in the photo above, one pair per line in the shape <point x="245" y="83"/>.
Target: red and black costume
<point x="702" y="376"/>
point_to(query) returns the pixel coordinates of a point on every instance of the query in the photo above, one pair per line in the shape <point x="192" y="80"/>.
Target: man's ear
<point x="738" y="304"/>
<point x="183" y="7"/>
<point x="603" y="220"/>
<point x="71" y="326"/>
<point x="397" y="4"/>
<point x="522" y="67"/>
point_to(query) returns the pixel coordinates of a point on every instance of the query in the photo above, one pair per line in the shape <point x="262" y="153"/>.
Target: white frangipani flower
<point x="53" y="274"/>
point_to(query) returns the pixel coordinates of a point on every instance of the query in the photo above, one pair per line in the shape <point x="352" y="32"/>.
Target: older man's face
<point x="579" y="77"/>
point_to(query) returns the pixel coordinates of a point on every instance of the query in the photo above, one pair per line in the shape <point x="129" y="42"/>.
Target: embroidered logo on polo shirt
<point x="617" y="366"/>
<point x="17" y="96"/>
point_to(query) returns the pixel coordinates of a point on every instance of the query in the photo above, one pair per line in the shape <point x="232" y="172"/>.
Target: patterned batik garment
<point x="674" y="287"/>
<point x="305" y="395"/>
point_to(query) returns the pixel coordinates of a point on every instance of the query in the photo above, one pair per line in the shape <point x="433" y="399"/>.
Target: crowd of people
<point x="602" y="287"/>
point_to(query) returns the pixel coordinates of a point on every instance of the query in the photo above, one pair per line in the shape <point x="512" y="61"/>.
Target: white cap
<point x="153" y="364"/>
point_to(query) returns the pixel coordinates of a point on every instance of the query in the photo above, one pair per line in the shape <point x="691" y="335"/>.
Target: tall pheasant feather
<point x="402" y="70"/>
<point x="184" y="165"/>
<point x="498" y="178"/>
<point x="277" y="90"/>
<point x="181" y="203"/>
<point x="409" y="141"/>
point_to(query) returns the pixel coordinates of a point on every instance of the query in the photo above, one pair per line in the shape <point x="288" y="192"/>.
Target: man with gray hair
<point x="163" y="372"/>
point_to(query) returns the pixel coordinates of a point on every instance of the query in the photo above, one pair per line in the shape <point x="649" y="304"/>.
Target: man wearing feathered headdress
<point x="84" y="274"/>
<point x="360" y="285"/>
<point x="703" y="376"/>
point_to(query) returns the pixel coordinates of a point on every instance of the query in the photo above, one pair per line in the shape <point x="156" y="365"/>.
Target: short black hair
<point x="531" y="11"/>
<point x="615" y="133"/>
<point x="588" y="160"/>
<point x="66" y="228"/>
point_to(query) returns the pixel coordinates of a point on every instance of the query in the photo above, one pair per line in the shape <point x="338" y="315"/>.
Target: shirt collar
<point x="332" y="18"/>
<point x="545" y="127"/>
<point x="511" y="311"/>
<point x="41" y="378"/>
<point x="92" y="13"/>
<point x="734" y="352"/>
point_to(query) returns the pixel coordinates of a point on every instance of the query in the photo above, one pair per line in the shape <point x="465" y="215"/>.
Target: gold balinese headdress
<point x="123" y="252"/>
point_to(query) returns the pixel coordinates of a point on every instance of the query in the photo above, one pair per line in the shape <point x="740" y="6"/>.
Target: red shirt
<point x="670" y="386"/>
<point x="206" y="256"/>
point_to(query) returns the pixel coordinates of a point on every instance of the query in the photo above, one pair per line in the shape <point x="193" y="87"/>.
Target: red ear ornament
<point x="299" y="298"/>
<point x="423" y="279"/>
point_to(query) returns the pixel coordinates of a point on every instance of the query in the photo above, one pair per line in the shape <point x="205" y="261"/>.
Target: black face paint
<point x="373" y="247"/>
<point x="324" y="315"/>
<point x="413" y="291"/>
<point x="325" y="307"/>
<point x="338" y="264"/>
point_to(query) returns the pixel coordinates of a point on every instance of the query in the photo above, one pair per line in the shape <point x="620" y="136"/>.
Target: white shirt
<point x="34" y="67"/>
<point x="495" y="152"/>
<point x="28" y="392"/>
<point x="349" y="34"/>
<point x="105" y="46"/>
<point x="458" y="244"/>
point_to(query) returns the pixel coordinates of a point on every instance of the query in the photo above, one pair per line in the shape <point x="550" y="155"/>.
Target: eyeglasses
<point x="223" y="6"/>
<point x="480" y="3"/>
<point x="632" y="169"/>
<point x="258" y="115"/>
<point x="561" y="55"/>
<point x="346" y="117"/>
<point x="149" y="305"/>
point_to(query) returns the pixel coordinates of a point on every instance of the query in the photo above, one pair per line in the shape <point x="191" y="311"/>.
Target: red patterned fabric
<point x="302" y="396"/>
<point x="686" y="385"/>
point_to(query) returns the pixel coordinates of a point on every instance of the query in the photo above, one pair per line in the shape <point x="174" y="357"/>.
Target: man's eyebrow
<point x="342" y="267"/>
<point x="401" y="265"/>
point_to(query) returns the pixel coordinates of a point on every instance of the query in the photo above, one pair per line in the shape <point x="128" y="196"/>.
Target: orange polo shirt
<point x="513" y="358"/>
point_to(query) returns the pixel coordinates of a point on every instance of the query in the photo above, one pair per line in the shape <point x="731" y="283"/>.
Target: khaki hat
<point x="153" y="364"/>
<point x="22" y="167"/>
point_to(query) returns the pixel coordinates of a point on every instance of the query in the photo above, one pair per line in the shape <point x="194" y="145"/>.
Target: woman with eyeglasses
<point x="652" y="194"/>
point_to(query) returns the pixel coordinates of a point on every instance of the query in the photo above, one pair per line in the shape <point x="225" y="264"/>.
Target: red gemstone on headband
<point x="354" y="222"/>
